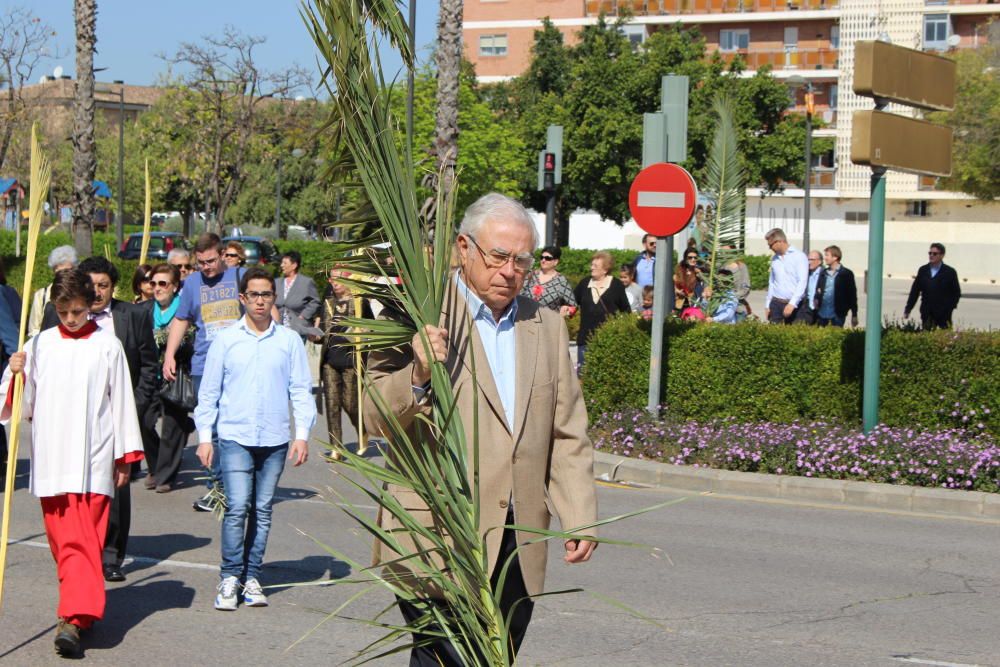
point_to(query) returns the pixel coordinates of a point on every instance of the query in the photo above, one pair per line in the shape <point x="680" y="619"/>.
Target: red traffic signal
<point x="550" y="162"/>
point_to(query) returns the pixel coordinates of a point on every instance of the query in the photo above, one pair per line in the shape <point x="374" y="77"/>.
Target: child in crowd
<point x="84" y="439"/>
<point x="647" y="303"/>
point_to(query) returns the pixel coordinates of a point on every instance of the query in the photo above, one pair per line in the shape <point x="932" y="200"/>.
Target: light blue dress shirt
<point x="813" y="284"/>
<point x="248" y="382"/>
<point x="499" y="343"/>
<point x="789" y="277"/>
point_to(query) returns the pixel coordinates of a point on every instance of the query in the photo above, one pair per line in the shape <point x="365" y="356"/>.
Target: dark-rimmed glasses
<point x="262" y="296"/>
<point x="498" y="257"/>
<point x="161" y="283"/>
<point x="547" y="258"/>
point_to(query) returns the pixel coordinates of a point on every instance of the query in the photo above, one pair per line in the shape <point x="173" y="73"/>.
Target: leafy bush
<point x="759" y="372"/>
<point x="760" y="268"/>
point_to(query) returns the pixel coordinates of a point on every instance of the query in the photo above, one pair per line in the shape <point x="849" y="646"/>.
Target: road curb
<point x="868" y="495"/>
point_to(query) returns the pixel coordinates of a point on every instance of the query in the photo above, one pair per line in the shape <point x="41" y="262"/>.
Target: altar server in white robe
<point x="84" y="438"/>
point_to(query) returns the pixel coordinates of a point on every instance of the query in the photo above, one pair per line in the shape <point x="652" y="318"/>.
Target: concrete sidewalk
<point x="865" y="495"/>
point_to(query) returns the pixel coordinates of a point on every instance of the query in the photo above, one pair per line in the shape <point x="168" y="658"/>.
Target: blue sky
<point x="131" y="33"/>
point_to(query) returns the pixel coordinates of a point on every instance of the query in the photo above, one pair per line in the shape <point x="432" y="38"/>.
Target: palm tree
<point x="449" y="62"/>
<point x="84" y="147"/>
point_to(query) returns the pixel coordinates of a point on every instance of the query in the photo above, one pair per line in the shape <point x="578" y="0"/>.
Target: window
<point x="731" y="40"/>
<point x="856" y="217"/>
<point x="917" y="208"/>
<point x="834" y="96"/>
<point x="492" y="45"/>
<point x="835" y="37"/>
<point x="937" y="28"/>
<point x="636" y="34"/>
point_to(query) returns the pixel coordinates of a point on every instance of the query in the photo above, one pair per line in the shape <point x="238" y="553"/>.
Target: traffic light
<point x="549" y="169"/>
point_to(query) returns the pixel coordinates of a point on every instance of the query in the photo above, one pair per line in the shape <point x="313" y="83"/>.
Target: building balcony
<point x="662" y="7"/>
<point x="785" y="58"/>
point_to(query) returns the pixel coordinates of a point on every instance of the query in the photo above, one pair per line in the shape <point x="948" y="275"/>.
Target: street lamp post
<point x="800" y="82"/>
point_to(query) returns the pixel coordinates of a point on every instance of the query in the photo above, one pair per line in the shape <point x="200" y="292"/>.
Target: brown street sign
<point x="882" y="139"/>
<point x="905" y="76"/>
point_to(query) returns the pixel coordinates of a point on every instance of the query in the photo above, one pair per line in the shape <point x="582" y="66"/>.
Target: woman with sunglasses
<point x="688" y="281"/>
<point x="549" y="287"/>
<point x="165" y="462"/>
<point x="234" y="254"/>
<point x="142" y="288"/>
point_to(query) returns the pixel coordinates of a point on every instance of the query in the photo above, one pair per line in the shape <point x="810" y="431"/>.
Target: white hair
<point x="495" y="207"/>
<point x="64" y="254"/>
<point x="178" y="252"/>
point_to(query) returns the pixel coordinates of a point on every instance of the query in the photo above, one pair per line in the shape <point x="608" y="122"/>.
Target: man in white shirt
<point x="786" y="287"/>
<point x="253" y="369"/>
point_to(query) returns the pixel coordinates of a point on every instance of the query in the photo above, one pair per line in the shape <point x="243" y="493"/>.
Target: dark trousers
<point x="805" y="315"/>
<point x="826" y="321"/>
<point x="340" y="392"/>
<point x="173" y="438"/>
<point x="119" y="523"/>
<point x="440" y="652"/>
<point x="930" y="322"/>
<point x="150" y="438"/>
<point x="776" y="313"/>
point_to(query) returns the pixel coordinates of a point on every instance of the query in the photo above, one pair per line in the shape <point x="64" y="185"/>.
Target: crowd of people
<point x="203" y="336"/>
<point x="207" y="336"/>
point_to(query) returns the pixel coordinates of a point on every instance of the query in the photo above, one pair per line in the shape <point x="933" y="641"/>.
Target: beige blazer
<point x="546" y="465"/>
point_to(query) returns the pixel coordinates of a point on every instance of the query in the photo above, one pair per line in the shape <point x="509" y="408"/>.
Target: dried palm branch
<point x="41" y="177"/>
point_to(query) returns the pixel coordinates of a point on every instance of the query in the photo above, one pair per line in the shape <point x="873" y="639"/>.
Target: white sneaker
<point x="226" y="600"/>
<point x="253" y="594"/>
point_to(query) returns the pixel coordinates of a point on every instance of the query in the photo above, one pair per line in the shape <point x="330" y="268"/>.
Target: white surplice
<point x="78" y="395"/>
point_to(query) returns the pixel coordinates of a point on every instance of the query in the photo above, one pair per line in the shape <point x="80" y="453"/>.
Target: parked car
<point x="259" y="250"/>
<point x="160" y="244"/>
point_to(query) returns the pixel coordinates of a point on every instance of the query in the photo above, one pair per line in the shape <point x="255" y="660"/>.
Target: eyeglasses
<point x="208" y="262"/>
<point x="690" y="257"/>
<point x="161" y="283"/>
<point x="231" y="254"/>
<point x="255" y="296"/>
<point x="183" y="267"/>
<point x="547" y="258"/>
<point x="147" y="279"/>
<point x="933" y="252"/>
<point x="498" y="257"/>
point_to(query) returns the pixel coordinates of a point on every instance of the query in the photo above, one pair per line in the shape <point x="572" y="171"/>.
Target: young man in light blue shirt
<point x="253" y="370"/>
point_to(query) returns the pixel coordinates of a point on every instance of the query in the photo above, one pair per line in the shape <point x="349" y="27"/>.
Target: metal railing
<point x="787" y="58"/>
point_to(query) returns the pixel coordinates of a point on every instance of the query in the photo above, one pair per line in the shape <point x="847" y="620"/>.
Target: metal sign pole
<point x="873" y="318"/>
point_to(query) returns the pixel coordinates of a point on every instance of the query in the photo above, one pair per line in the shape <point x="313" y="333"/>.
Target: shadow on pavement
<point x="151" y="548"/>
<point x="284" y="493"/>
<point x="130" y="604"/>
<point x="280" y="575"/>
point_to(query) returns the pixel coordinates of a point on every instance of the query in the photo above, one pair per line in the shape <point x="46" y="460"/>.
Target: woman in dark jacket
<point x="599" y="296"/>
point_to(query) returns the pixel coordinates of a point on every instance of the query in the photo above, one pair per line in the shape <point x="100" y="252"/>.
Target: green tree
<point x="975" y="160"/>
<point x="609" y="85"/>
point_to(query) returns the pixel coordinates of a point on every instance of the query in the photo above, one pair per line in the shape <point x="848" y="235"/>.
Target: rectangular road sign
<point x="902" y="75"/>
<point x="885" y="140"/>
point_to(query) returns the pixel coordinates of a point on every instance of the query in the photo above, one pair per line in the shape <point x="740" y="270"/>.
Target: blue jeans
<point x="835" y="321"/>
<point x="215" y="479"/>
<point x="250" y="475"/>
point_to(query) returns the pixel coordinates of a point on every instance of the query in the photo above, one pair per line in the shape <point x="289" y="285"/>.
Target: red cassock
<point x="76" y="502"/>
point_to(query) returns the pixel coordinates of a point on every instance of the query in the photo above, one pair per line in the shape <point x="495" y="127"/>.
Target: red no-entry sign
<point x="662" y="199"/>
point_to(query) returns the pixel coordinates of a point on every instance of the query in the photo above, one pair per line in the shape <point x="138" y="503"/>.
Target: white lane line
<point x="935" y="663"/>
<point x="661" y="199"/>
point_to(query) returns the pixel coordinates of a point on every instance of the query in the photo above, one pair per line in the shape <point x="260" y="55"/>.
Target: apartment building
<point x="802" y="40"/>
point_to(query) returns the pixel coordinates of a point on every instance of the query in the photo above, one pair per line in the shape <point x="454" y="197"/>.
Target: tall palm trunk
<point x="84" y="148"/>
<point x="449" y="63"/>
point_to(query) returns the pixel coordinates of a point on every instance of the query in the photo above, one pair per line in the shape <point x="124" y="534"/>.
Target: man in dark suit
<point x="937" y="286"/>
<point x="836" y="292"/>
<point x="134" y="328"/>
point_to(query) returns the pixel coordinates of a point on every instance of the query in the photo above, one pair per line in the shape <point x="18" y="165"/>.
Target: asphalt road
<point x="725" y="581"/>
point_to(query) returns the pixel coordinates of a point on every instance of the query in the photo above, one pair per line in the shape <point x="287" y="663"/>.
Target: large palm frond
<point x="726" y="184"/>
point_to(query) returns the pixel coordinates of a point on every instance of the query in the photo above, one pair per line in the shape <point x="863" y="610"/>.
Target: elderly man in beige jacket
<point x="536" y="460"/>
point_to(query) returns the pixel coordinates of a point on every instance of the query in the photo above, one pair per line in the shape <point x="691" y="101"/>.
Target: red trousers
<point x="76" y="524"/>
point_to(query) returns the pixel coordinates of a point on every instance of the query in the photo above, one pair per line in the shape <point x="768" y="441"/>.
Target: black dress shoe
<point x="68" y="640"/>
<point x="113" y="573"/>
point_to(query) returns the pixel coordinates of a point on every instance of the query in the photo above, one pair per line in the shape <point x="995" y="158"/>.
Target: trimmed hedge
<point x="759" y="372"/>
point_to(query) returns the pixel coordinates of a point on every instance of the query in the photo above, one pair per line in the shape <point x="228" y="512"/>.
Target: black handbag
<point x="180" y="392"/>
